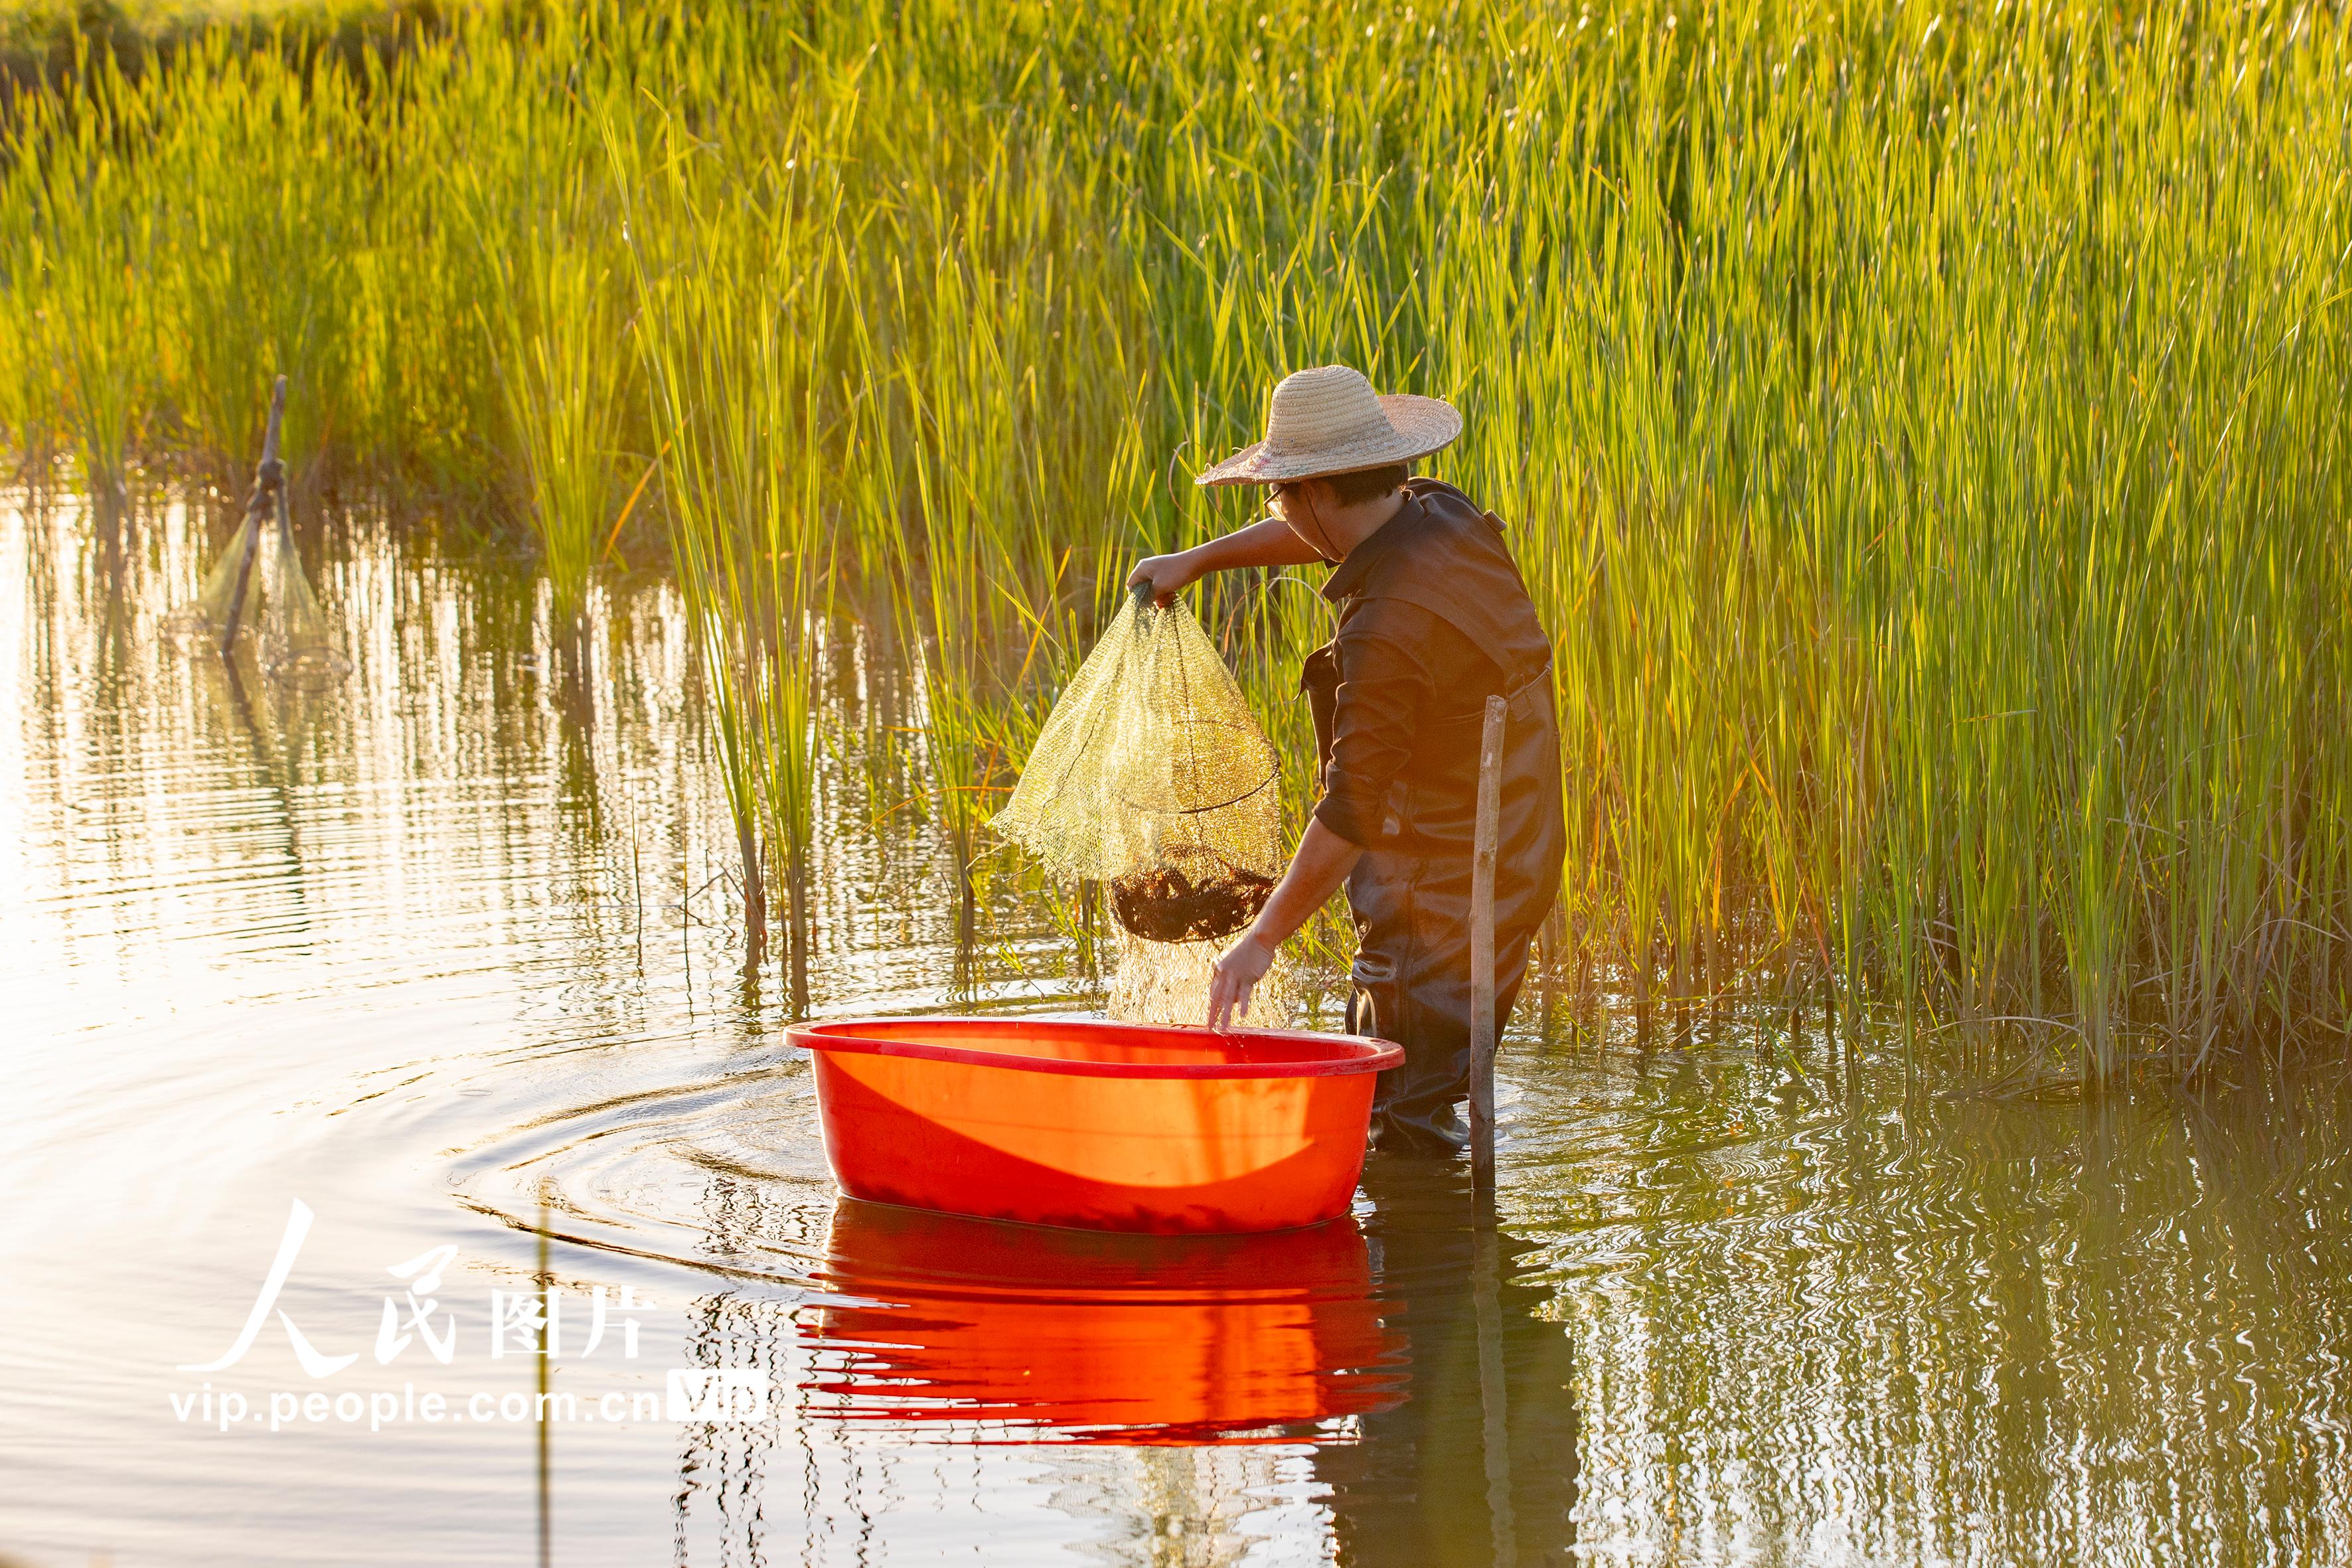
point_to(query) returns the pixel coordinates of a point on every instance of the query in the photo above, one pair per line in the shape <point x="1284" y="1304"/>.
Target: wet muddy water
<point x="442" y="959"/>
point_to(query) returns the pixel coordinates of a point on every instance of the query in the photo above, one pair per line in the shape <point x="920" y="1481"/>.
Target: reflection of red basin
<point x="1107" y="1126"/>
<point x="1094" y="1338"/>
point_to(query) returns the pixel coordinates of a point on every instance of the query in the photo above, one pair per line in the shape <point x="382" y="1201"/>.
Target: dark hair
<point x="1362" y="485"/>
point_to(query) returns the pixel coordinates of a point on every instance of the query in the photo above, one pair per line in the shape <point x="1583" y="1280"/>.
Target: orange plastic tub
<point x="1103" y="1126"/>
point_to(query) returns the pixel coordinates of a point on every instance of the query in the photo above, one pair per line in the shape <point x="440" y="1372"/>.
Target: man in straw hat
<point x="1432" y="620"/>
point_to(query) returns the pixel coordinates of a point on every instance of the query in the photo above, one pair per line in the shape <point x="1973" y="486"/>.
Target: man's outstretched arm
<point x="1322" y="863"/>
<point x="1385" y="686"/>
<point x="1268" y="542"/>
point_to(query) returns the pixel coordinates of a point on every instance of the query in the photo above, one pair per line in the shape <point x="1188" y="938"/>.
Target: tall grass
<point x="553" y="313"/>
<point x="1922" y="428"/>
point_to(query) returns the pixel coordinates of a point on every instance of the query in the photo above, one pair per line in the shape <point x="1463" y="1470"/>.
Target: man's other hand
<point x="1234" y="976"/>
<point x="1165" y="576"/>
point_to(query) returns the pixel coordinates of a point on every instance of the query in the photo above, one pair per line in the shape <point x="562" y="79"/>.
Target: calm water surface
<point x="443" y="957"/>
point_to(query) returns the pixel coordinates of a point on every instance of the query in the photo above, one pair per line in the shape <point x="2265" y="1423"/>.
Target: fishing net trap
<point x="291" y="637"/>
<point x="258" y="588"/>
<point x="1152" y="779"/>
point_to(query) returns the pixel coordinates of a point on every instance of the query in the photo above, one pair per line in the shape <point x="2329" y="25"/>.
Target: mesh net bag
<point x="297" y="647"/>
<point x="293" y="642"/>
<point x="1168" y="982"/>
<point x="1152" y="777"/>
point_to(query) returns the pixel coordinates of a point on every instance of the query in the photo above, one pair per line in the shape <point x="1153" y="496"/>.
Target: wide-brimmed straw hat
<point x="1329" y="420"/>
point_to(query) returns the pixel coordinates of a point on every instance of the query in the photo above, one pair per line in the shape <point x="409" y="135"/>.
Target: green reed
<point x="734" y="372"/>
<point x="82" y="228"/>
<point x="1921" y="428"/>
<point x="552" y="311"/>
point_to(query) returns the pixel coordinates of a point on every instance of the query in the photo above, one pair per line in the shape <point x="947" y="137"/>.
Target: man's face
<point x="1298" y="500"/>
<point x="1280" y="501"/>
<point x="1302" y="503"/>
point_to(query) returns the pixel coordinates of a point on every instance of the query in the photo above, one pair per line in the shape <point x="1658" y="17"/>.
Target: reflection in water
<point x="1007" y="1332"/>
<point x="1420" y="1399"/>
<point x="1948" y="1328"/>
<point x="1479" y="1464"/>
<point x="452" y="942"/>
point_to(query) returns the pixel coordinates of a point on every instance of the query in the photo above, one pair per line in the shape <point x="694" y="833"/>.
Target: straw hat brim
<point x="1420" y="425"/>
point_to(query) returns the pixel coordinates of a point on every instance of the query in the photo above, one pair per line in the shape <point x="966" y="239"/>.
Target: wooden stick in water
<point x="1494" y="1379"/>
<point x="1482" y="947"/>
<point x="1486" y="1271"/>
<point x="268" y="480"/>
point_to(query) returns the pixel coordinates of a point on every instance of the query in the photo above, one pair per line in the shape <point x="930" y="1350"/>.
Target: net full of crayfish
<point x="1152" y="777"/>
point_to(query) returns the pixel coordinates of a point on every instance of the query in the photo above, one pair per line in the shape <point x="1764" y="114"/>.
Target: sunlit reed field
<point x="1924" y="427"/>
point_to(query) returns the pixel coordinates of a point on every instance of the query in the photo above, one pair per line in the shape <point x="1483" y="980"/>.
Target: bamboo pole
<point x="268" y="488"/>
<point x="1494" y="1398"/>
<point x="1482" y="948"/>
<point x="1487" y="1273"/>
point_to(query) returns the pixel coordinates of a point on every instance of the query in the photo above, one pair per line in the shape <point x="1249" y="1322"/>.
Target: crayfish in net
<point x="1163" y="903"/>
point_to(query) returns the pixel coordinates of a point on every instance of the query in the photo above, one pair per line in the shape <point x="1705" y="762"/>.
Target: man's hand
<point x="1235" y="975"/>
<point x="1322" y="863"/>
<point x="1166" y="575"/>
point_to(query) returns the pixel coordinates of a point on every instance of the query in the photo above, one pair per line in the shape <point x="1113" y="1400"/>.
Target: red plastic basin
<point x="1102" y="1126"/>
